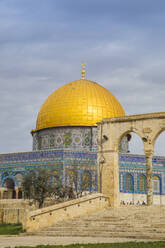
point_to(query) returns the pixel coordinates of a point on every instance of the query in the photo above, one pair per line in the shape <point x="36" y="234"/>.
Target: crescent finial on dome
<point x="83" y="70"/>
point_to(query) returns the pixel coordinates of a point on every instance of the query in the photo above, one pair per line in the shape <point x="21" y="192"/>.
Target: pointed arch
<point x="10" y="177"/>
<point x="142" y="183"/>
<point x="128" y="183"/>
<point x="158" y="143"/>
<point x="134" y="138"/>
<point x="86" y="180"/>
<point x="157" y="134"/>
<point x="156" y="184"/>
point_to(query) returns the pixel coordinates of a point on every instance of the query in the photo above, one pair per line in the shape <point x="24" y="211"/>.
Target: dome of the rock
<point x="78" y="103"/>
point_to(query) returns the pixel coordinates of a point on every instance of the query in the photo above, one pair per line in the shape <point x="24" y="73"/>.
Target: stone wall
<point x="15" y="203"/>
<point x="14" y="211"/>
<point x="12" y="215"/>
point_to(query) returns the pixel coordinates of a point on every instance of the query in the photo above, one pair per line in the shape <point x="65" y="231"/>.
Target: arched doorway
<point x="9" y="192"/>
<point x="19" y="194"/>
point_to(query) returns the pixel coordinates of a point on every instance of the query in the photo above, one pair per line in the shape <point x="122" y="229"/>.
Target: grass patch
<point x="11" y="229"/>
<point x="111" y="245"/>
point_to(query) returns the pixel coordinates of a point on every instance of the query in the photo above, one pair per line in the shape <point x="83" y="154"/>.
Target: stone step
<point x="130" y="227"/>
<point x="90" y="229"/>
<point x="98" y="233"/>
<point x="99" y="218"/>
<point x="116" y="218"/>
<point x="138" y="235"/>
<point x="98" y="223"/>
<point x="104" y="225"/>
<point x="149" y="218"/>
<point x="139" y="223"/>
<point x="93" y="226"/>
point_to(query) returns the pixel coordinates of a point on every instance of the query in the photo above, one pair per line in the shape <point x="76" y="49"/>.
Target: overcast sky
<point x="42" y="46"/>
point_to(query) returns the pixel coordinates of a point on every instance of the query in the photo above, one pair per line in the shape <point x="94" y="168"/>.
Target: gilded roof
<point x="78" y="103"/>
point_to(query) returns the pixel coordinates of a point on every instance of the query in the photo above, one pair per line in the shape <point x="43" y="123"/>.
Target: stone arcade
<point x="149" y="169"/>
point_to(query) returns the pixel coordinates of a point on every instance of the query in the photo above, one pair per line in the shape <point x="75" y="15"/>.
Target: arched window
<point x="72" y="178"/>
<point x="86" y="181"/>
<point x="9" y="183"/>
<point x="128" y="183"/>
<point x="55" y="178"/>
<point x="142" y="183"/>
<point x="156" y="184"/>
<point x="10" y="186"/>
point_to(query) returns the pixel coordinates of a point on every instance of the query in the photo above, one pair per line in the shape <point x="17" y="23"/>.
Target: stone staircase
<point x="139" y="222"/>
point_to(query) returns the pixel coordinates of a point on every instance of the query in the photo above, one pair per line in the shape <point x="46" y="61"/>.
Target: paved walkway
<point x="12" y="241"/>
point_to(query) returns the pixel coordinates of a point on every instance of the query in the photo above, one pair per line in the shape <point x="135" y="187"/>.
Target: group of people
<point x="132" y="203"/>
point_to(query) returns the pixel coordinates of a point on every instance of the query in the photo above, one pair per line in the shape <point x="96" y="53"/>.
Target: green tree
<point x="39" y="184"/>
<point x="79" y="186"/>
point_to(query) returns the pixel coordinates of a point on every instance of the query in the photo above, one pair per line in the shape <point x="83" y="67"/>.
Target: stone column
<point x="16" y="193"/>
<point x="1" y="193"/>
<point x="149" y="155"/>
<point x="110" y="177"/>
<point x="101" y="162"/>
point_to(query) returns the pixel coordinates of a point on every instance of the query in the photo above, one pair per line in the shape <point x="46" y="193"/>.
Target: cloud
<point x="42" y="45"/>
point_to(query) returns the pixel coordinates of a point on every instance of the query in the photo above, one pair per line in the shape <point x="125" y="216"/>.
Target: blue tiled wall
<point x="13" y="163"/>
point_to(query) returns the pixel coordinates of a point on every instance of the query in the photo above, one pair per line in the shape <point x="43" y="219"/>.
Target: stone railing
<point x="46" y="217"/>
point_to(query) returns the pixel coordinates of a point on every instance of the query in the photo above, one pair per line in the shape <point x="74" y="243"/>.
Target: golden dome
<point x="78" y="103"/>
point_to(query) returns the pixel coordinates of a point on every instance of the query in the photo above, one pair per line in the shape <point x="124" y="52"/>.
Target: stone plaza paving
<point x="12" y="241"/>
